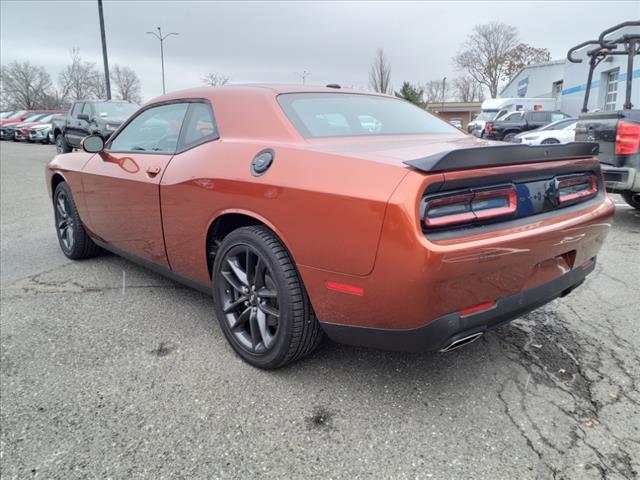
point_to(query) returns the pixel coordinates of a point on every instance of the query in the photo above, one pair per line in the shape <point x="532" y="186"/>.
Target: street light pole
<point x="162" y="38"/>
<point x="105" y="60"/>
<point x="303" y="76"/>
<point x="444" y="86"/>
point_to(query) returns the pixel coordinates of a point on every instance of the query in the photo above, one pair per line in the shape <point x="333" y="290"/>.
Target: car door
<point x="122" y="183"/>
<point x="539" y="119"/>
<point x="71" y="132"/>
<point x="84" y="121"/>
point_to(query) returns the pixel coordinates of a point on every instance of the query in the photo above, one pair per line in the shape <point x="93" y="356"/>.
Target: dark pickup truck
<point x="518" y="122"/>
<point x="89" y="117"/>
<point x="617" y="132"/>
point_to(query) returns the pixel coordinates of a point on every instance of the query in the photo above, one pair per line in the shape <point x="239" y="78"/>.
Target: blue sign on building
<point x="522" y="87"/>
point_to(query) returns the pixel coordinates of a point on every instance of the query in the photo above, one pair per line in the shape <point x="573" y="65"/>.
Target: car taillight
<point x="489" y="127"/>
<point x="576" y="188"/>
<point x="473" y="206"/>
<point x="627" y="138"/>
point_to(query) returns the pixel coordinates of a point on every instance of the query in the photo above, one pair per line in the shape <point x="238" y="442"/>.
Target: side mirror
<point x="83" y="116"/>
<point x="92" y="144"/>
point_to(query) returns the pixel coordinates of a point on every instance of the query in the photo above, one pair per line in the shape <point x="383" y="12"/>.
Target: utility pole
<point x="161" y="38"/>
<point x="107" y="81"/>
<point x="303" y="76"/>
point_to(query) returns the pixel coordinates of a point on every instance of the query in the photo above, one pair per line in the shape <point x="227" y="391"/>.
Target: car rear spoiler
<point x="499" y="155"/>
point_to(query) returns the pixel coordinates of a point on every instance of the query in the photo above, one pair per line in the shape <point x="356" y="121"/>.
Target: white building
<point x="567" y="82"/>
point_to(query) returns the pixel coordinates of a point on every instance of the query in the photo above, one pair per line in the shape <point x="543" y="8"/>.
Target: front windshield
<point x="317" y="115"/>
<point x="46" y="118"/>
<point x="5" y="114"/>
<point x="487" y="115"/>
<point x="115" y="110"/>
<point x="33" y="118"/>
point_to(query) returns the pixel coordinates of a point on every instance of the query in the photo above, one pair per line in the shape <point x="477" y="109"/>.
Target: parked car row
<point x="65" y="129"/>
<point x="26" y="125"/>
<point x="518" y="122"/>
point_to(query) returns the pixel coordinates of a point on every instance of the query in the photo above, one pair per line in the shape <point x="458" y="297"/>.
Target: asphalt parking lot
<point x="111" y="371"/>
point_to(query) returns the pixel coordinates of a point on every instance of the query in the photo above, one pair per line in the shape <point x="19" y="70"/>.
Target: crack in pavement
<point x="35" y="285"/>
<point x="563" y="373"/>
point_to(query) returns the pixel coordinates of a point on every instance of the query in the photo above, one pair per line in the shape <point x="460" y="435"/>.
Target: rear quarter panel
<point x="327" y="209"/>
<point x="416" y="280"/>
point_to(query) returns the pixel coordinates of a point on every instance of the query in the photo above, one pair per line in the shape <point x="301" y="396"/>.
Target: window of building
<point x="556" y="89"/>
<point x="611" y="90"/>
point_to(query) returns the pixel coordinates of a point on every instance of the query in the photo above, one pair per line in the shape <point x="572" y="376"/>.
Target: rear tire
<point x="260" y="301"/>
<point x="61" y="144"/>
<point x="72" y="237"/>
<point x="632" y="198"/>
<point x="508" y="137"/>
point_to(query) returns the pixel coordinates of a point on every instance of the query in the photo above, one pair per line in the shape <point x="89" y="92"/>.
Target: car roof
<point x="256" y="89"/>
<point x="250" y="111"/>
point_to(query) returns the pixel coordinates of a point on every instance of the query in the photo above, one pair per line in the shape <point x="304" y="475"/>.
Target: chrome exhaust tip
<point x="461" y="342"/>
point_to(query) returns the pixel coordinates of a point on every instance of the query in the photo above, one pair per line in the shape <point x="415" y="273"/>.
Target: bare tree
<point x="215" y="79"/>
<point x="484" y="54"/>
<point x="468" y="90"/>
<point x="380" y="73"/>
<point x="25" y="86"/>
<point x="127" y="84"/>
<point x="433" y="92"/>
<point x="522" y="55"/>
<point x="81" y="79"/>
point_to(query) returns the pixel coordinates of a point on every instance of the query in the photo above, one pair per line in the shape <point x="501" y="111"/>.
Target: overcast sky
<point x="271" y="41"/>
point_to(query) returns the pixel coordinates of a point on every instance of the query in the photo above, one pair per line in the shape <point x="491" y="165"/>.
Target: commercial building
<point x="567" y="82"/>
<point x="462" y="112"/>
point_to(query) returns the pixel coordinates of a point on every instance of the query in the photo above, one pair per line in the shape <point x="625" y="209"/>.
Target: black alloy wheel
<point x="250" y="299"/>
<point x="260" y="300"/>
<point x="73" y="238"/>
<point x="64" y="221"/>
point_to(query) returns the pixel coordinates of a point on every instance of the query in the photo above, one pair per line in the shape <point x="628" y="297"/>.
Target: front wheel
<point x="260" y="301"/>
<point x="508" y="137"/>
<point x="61" y="144"/>
<point x="632" y="198"/>
<point x="549" y="141"/>
<point x="73" y="239"/>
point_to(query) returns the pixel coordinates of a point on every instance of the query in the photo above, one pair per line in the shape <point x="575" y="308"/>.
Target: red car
<point x="312" y="211"/>
<point x="15" y="117"/>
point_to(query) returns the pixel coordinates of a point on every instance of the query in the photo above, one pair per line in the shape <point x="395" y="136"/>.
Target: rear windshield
<point x="317" y="115"/>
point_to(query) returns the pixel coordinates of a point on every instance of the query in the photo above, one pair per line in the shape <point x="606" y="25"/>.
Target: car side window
<point x="77" y="108"/>
<point x="200" y="125"/>
<point x="87" y="109"/>
<point x="155" y="130"/>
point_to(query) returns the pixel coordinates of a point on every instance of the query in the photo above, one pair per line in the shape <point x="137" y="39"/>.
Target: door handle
<point x="153" y="171"/>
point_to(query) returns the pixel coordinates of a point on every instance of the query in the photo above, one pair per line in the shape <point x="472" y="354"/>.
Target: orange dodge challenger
<point x="313" y="211"/>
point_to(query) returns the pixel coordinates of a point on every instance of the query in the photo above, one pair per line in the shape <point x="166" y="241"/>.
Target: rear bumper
<point x="443" y="331"/>
<point x="620" y="179"/>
